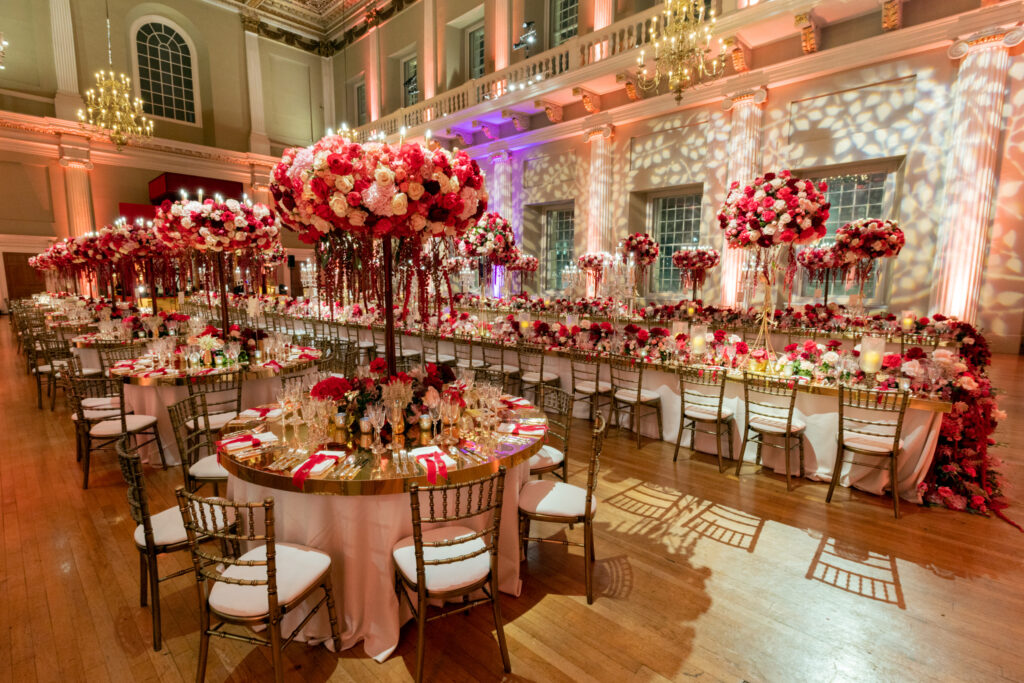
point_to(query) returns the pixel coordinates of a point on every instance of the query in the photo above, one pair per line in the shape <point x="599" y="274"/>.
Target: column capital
<point x="606" y="131"/>
<point x="998" y="36"/>
<point x="250" y="22"/>
<point x="75" y="152"/>
<point x="755" y="97"/>
<point x="502" y="156"/>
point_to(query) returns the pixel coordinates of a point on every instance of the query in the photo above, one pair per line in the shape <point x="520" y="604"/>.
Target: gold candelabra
<point x="682" y="48"/>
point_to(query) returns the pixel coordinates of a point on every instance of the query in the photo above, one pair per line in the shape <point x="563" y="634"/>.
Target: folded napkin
<point x="434" y="460"/>
<point x="525" y="430"/>
<point x="269" y="413"/>
<point x="272" y="364"/>
<point x="205" y="371"/>
<point x="304" y="348"/>
<point x="125" y="364"/>
<point x="320" y="462"/>
<point x="247" y="441"/>
<point x="516" y="403"/>
<point x="155" y="373"/>
<point x="306" y="356"/>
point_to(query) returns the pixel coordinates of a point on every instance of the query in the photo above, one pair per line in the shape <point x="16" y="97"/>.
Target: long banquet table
<point x="357" y="522"/>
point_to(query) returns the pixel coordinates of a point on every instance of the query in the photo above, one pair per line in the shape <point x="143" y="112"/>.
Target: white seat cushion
<point x="440" y="358"/>
<point x="867" y="442"/>
<point x="554" y="498"/>
<point x="135" y="423"/>
<point x="42" y="369"/>
<point x="90" y="372"/>
<point x="366" y="345"/>
<point x="298" y="568"/>
<point x="629" y="395"/>
<point x="589" y="388"/>
<point x="508" y="369"/>
<point x="208" y="468"/>
<point x="409" y="353"/>
<point x="101" y="402"/>
<point x="534" y="377"/>
<point x="99" y="414"/>
<point x="444" y="577"/>
<point x="774" y="425"/>
<point x="475" y="364"/>
<point x="547" y="456"/>
<point x="168" y="528"/>
<point x="692" y="410"/>
<point x="217" y="421"/>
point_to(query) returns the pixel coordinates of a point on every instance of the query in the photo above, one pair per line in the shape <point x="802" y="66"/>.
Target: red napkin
<point x="205" y="371"/>
<point x="306" y="356"/>
<point x="272" y="364"/>
<point x="304" y="348"/>
<point x="530" y="430"/>
<point x="511" y="403"/>
<point x="434" y="464"/>
<point x="301" y="474"/>
<point x="154" y="373"/>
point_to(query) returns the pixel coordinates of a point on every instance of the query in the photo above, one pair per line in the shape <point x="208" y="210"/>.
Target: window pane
<point x="410" y="86"/>
<point x="559" y="229"/>
<point x="676" y="225"/>
<point x="476" y="53"/>
<point x="361" y="117"/>
<point x="165" y="73"/>
<point x="852" y="197"/>
<point x="564" y="20"/>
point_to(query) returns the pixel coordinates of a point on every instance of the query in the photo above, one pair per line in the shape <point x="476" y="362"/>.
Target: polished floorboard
<point x="699" y="575"/>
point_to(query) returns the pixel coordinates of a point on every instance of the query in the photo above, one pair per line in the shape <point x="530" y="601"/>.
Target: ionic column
<point x="429" y="70"/>
<point x="600" y="231"/>
<point x="67" y="100"/>
<point x="744" y="165"/>
<point x="327" y="81"/>
<point x="259" y="143"/>
<point x="501" y="33"/>
<point x="76" y="161"/>
<point x="970" y="171"/>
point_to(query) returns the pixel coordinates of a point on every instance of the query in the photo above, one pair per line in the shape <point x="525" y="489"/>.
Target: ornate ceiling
<point x="321" y="19"/>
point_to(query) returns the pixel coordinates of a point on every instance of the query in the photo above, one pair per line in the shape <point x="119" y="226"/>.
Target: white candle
<point x="872" y="361"/>
<point x="698" y="344"/>
<point x="909" y="320"/>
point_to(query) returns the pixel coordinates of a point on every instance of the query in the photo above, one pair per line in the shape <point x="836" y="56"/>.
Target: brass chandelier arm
<point x="681" y="38"/>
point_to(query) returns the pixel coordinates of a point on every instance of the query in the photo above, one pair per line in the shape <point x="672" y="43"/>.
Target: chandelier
<point x="682" y="50"/>
<point x="111" y="107"/>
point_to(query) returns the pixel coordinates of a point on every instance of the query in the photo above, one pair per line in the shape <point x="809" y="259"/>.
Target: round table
<point x="358" y="520"/>
<point x="148" y="394"/>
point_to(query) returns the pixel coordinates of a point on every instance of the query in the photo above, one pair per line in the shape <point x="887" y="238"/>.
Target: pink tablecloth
<point x="358" y="532"/>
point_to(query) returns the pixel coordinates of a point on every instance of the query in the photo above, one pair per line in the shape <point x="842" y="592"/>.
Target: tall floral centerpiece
<point x="820" y="263"/>
<point x="693" y="265"/>
<point x="525" y="265"/>
<point x="769" y="217"/>
<point x="138" y="254"/>
<point x="644" y="250"/>
<point x="594" y="263"/>
<point x="492" y="241"/>
<point x="860" y="243"/>
<point x="347" y="197"/>
<point x="56" y="260"/>
<point x="214" y="230"/>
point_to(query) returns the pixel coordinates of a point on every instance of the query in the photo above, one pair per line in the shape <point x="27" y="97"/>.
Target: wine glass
<point x="193" y="356"/>
<point x="435" y="417"/>
<point x="377" y="415"/>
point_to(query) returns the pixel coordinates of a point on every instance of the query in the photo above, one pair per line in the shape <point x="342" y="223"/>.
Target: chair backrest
<point x="703" y="388"/>
<point x="452" y="503"/>
<point x="131" y="470"/>
<point x="584" y="370"/>
<point x="191" y="445"/>
<point x="223" y="391"/>
<point x="531" y="360"/>
<point x="379" y="335"/>
<point x="596" y="446"/>
<point x="96" y="387"/>
<point x="230" y="522"/>
<point x="872" y="413"/>
<point x="493" y="354"/>
<point x="464" y="351"/>
<point x="627" y="375"/>
<point x="557" y="404"/>
<point x="109" y="355"/>
<point x="429" y="343"/>
<point x="490" y="376"/>
<point x="769" y="397"/>
<point x="54" y="350"/>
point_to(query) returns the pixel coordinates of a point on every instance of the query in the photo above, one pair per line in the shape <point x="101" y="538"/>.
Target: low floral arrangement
<point x="507" y="330"/>
<point x="694" y="264"/>
<point x="775" y="209"/>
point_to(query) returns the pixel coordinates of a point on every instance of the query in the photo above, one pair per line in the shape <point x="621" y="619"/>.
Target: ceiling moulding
<point x="933" y="35"/>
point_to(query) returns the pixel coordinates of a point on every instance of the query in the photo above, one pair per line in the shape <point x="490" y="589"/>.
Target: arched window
<point x="165" y="62"/>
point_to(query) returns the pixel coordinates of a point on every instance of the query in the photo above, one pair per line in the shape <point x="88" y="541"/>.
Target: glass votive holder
<point x="871" y="351"/>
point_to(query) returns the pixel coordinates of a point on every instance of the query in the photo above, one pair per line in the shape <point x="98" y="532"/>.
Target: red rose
<point x="378" y="365"/>
<point x="892" y="360"/>
<point x="354" y="199"/>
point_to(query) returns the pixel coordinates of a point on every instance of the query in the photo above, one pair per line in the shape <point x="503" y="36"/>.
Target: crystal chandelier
<point x="682" y="50"/>
<point x="111" y="107"/>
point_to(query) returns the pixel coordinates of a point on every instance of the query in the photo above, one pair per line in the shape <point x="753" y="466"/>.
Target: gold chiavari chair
<point x="430" y="343"/>
<point x="557" y="404"/>
<point x="156" y="534"/>
<point x="562" y="503"/>
<point x="870" y="427"/>
<point x="259" y="587"/>
<point x="629" y="396"/>
<point x="111" y="355"/>
<point x="467" y="353"/>
<point x="493" y="354"/>
<point x="449" y="560"/>
<point x="196" y="468"/>
<point x="585" y="374"/>
<point x="491" y="376"/>
<point x="770" y="403"/>
<point x="532" y="373"/>
<point x="223" y="394"/>
<point x="50" y="357"/>
<point x="702" y="394"/>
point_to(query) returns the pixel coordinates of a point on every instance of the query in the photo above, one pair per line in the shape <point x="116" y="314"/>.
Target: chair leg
<point x="743" y="450"/>
<point x="728" y="438"/>
<point x="86" y="456"/>
<point x="332" y="613"/>
<point x="679" y="436"/>
<point x="789" y="482"/>
<point x="143" y="579"/>
<point x="39" y="392"/>
<point x="657" y="414"/>
<point x="802" y="474"/>
<point x="154" y="590"/>
<point x="588" y="559"/>
<point x="499" y="628"/>
<point x="160" y="447"/>
<point x="894" y="487"/>
<point x="276" y="653"/>
<point x="718" y="445"/>
<point x="421" y="629"/>
<point x="835" y="473"/>
<point x="635" y="421"/>
<point x="51" y="389"/>
<point x="204" y="643"/>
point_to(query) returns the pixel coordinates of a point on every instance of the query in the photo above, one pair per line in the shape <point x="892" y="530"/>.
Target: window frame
<point x="197" y="105"/>
<point x="546" y="246"/>
<point x="891" y="195"/>
<point x="470" y="30"/>
<point x="651" y="215"/>
<point x="403" y="78"/>
<point x="356" y="84"/>
<point x="553" y="33"/>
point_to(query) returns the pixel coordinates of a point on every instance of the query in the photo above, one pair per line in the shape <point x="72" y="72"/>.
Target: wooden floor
<point x="699" y="575"/>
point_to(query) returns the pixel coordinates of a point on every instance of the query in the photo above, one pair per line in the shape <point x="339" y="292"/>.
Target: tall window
<point x="852" y="197"/>
<point x="166" y="84"/>
<point x="564" y="20"/>
<point x="676" y="220"/>
<point x="359" y="95"/>
<point x="559" y="227"/>
<point x="410" y="83"/>
<point x="475" y="44"/>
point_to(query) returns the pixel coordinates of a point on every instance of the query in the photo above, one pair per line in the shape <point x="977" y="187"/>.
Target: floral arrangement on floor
<point x="694" y="264"/>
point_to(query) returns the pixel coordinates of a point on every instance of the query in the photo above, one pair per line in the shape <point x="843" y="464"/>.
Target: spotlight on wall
<point x="527" y="38"/>
<point x="3" y="51"/>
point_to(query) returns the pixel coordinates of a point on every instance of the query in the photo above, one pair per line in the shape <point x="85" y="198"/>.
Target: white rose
<point x="338" y="205"/>
<point x="399" y="204"/>
<point x="240" y="222"/>
<point x="417" y="222"/>
<point x="830" y="357"/>
<point x="384" y="176"/>
<point x="357" y="217"/>
<point x="415" y="191"/>
<point x="344" y="183"/>
<point x="233" y="205"/>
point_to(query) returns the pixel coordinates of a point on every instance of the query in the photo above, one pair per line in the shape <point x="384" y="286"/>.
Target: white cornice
<point x="886" y="47"/>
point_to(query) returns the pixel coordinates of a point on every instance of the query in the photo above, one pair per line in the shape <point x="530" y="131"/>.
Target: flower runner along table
<point x="358" y="518"/>
<point x="150" y="391"/>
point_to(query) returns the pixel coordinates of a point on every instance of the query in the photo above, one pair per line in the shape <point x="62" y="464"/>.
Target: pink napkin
<point x="272" y="364"/>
